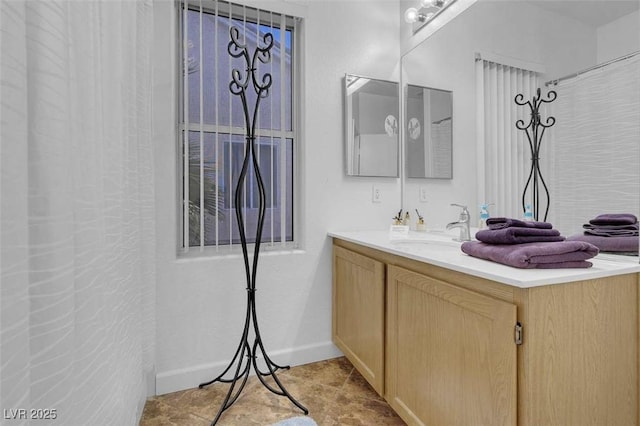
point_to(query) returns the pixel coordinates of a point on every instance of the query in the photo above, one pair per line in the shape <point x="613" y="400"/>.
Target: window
<point x="212" y="128"/>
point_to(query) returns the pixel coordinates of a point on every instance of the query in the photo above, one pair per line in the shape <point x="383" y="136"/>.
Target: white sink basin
<point x="444" y="238"/>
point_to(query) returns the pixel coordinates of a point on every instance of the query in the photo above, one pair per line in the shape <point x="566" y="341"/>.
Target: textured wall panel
<point x="596" y="145"/>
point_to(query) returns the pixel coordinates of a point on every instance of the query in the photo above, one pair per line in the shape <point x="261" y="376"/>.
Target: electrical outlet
<point x="423" y="194"/>
<point x="376" y="194"/>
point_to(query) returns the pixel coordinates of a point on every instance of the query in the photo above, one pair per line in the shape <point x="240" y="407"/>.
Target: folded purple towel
<point x="612" y="232"/>
<point x="609" y="244"/>
<point x="632" y="227"/>
<point x="505" y="222"/>
<point x="518" y="235"/>
<point x="562" y="254"/>
<point x="614" y="219"/>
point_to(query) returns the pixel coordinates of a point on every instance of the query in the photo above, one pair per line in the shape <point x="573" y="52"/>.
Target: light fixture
<point x="432" y="3"/>
<point x="428" y="10"/>
<point x="412" y="15"/>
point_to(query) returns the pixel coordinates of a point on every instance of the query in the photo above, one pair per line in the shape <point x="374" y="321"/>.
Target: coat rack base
<point x="245" y="359"/>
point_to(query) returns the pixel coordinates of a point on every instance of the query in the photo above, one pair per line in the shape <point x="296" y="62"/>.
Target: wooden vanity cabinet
<point x="578" y="364"/>
<point x="451" y="356"/>
<point x="443" y="348"/>
<point x="358" y="313"/>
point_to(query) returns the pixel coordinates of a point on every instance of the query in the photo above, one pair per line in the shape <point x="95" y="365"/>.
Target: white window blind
<point x="504" y="157"/>
<point x="212" y="127"/>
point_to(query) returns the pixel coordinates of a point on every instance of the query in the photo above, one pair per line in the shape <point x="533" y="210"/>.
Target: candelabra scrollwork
<point x="534" y="130"/>
<point x="247" y="353"/>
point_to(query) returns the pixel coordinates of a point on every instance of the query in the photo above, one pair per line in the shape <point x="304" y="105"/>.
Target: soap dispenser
<point x="407" y="219"/>
<point x="420" y="225"/>
<point x="484" y="215"/>
<point x="528" y="214"/>
<point x="397" y="220"/>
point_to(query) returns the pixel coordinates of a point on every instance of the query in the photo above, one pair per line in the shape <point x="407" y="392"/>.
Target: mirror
<point x="429" y="125"/>
<point x="555" y="39"/>
<point x="371" y="109"/>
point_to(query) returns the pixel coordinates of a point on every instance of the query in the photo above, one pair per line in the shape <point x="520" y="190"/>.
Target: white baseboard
<point x="187" y="378"/>
<point x="150" y="381"/>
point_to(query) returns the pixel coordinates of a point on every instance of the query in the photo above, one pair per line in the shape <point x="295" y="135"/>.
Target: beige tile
<point x="357" y="386"/>
<point x="156" y="413"/>
<point x="271" y="407"/>
<point x="354" y="411"/>
<point x="206" y="402"/>
<point x="333" y="372"/>
<point x="333" y="391"/>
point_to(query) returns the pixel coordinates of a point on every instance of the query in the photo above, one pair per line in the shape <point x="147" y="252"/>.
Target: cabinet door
<point x="451" y="355"/>
<point x="581" y="352"/>
<point x="358" y="313"/>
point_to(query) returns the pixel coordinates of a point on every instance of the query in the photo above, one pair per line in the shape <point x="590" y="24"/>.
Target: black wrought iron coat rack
<point x="247" y="353"/>
<point x="535" y="131"/>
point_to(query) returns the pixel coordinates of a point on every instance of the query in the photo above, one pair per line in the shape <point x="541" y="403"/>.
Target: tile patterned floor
<point x="333" y="391"/>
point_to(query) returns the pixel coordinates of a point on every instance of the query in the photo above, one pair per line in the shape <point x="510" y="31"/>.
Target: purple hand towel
<point x="505" y="222"/>
<point x="611" y="230"/>
<point x="633" y="227"/>
<point x="518" y="235"/>
<point x="614" y="219"/>
<point x="562" y="254"/>
<point x="609" y="244"/>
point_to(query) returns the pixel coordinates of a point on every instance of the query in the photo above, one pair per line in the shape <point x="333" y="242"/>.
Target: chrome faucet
<point x="462" y="223"/>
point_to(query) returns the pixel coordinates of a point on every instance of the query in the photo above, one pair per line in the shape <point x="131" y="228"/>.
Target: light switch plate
<point x="376" y="194"/>
<point x="423" y="194"/>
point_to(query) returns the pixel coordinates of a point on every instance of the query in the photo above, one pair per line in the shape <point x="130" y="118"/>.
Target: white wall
<point x="446" y="61"/>
<point x="201" y="301"/>
<point x="619" y="37"/>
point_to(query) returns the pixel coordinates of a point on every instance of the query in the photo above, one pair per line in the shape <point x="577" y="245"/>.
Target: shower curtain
<point x="596" y="145"/>
<point x="76" y="212"/>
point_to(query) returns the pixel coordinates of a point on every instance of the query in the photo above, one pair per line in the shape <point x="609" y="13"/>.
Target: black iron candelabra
<point x="247" y="353"/>
<point x="535" y="131"/>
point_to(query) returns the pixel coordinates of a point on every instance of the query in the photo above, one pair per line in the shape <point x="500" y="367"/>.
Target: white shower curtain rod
<point x="595" y="67"/>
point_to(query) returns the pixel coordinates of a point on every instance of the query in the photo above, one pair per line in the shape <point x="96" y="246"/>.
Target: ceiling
<point x="590" y="12"/>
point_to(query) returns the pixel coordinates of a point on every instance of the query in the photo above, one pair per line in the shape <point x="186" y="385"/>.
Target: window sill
<point x="235" y="252"/>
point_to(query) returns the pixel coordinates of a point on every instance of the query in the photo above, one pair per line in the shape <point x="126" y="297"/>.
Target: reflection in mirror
<point x="429" y="132"/>
<point x="371" y="124"/>
<point x="590" y="158"/>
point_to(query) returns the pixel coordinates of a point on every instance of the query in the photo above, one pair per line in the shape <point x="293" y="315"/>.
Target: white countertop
<point x="439" y="249"/>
